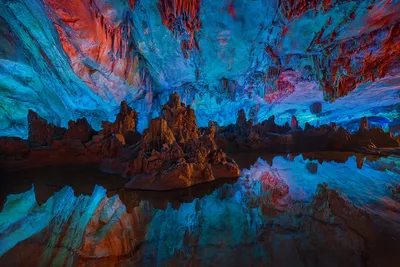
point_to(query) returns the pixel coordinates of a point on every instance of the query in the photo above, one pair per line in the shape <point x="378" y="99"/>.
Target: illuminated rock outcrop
<point x="244" y="135"/>
<point x="173" y="154"/>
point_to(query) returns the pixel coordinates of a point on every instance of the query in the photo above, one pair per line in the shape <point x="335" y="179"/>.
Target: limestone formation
<point x="267" y="135"/>
<point x="80" y="130"/>
<point x="126" y="121"/>
<point x="40" y="132"/>
<point x="13" y="147"/>
<point x="180" y="119"/>
<point x="173" y="154"/>
<point x="125" y="126"/>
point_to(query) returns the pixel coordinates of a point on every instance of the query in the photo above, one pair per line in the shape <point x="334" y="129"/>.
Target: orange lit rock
<point x="163" y="163"/>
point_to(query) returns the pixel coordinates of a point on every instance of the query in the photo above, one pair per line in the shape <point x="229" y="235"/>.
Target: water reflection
<point x="278" y="213"/>
<point x="363" y="179"/>
<point x="161" y="199"/>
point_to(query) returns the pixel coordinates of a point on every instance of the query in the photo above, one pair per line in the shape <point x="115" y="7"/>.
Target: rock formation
<point x="79" y="130"/>
<point x="13" y="147"/>
<point x="124" y="126"/>
<point x="40" y="132"/>
<point x="79" y="138"/>
<point x="114" y="136"/>
<point x="294" y="122"/>
<point x="372" y="138"/>
<point x="173" y="155"/>
<point x="180" y="119"/>
<point x="267" y="135"/>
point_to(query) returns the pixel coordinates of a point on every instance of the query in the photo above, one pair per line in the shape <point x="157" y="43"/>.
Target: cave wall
<point x="68" y="59"/>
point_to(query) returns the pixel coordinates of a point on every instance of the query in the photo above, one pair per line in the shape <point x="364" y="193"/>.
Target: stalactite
<point x="182" y="19"/>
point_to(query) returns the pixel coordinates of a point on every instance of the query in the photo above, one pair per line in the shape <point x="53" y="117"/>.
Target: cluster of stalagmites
<point x="78" y="139"/>
<point x="171" y="153"/>
<point x="267" y="135"/>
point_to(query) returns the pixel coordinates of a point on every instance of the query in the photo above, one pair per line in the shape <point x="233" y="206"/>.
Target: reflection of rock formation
<point x="68" y="230"/>
<point x="174" y="198"/>
<point x="312" y="167"/>
<point x="258" y="216"/>
<point x="326" y="230"/>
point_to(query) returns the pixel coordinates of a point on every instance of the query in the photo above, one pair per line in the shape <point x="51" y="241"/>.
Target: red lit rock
<point x="13" y="147"/>
<point x="40" y="132"/>
<point x="107" y="147"/>
<point x="70" y="146"/>
<point x="177" y="13"/>
<point x="80" y="130"/>
<point x="294" y="123"/>
<point x="100" y="45"/>
<point x="275" y="186"/>
<point x="231" y="10"/>
<point x="296" y="8"/>
<point x="345" y="76"/>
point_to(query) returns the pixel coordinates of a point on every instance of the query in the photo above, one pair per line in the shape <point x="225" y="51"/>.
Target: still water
<point x="270" y="216"/>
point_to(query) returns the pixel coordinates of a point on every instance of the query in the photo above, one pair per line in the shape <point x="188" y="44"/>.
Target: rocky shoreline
<point x="174" y="153"/>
